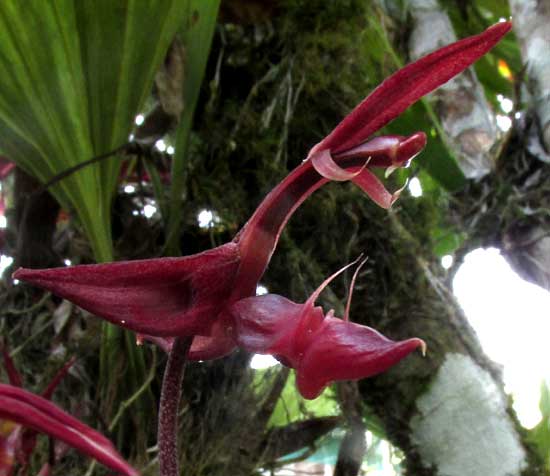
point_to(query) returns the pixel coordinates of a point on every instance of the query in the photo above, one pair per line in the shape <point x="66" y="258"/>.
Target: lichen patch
<point x="462" y="426"/>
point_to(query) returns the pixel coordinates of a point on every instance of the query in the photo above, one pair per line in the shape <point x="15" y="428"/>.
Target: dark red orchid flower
<point x="24" y="414"/>
<point x="192" y="296"/>
<point x="322" y="349"/>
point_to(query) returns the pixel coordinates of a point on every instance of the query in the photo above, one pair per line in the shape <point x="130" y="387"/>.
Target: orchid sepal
<point x="348" y="351"/>
<point x="387" y="151"/>
<point x="326" y="167"/>
<point x="390" y="98"/>
<point x="163" y="297"/>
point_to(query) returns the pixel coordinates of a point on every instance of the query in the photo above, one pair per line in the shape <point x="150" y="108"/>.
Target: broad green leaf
<point x="446" y="241"/>
<point x="292" y="407"/>
<point x="540" y="435"/>
<point x="73" y="75"/>
<point x="196" y="34"/>
<point x="436" y="159"/>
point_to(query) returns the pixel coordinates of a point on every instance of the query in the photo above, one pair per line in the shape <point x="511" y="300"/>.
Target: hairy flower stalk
<point x="169" y="405"/>
<point x="210" y="296"/>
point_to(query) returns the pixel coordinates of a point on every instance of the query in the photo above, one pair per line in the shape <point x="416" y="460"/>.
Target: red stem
<point x="169" y="404"/>
<point x="258" y="238"/>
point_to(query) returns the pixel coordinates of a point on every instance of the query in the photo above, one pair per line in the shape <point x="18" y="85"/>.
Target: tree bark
<point x="526" y="244"/>
<point x="532" y="27"/>
<point x="467" y="118"/>
<point x="36" y="216"/>
<point x="448" y="411"/>
<point x="354" y="445"/>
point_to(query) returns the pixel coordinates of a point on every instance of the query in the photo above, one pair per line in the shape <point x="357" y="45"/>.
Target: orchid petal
<point x="331" y="350"/>
<point x="407" y="86"/>
<point x="387" y="151"/>
<point x="159" y="297"/>
<point x="164" y="343"/>
<point x="410" y="147"/>
<point x="326" y="167"/>
<point x="41" y="415"/>
<point x="259" y="237"/>
<point x="311" y="319"/>
<point x="370" y="184"/>
<point x="213" y="346"/>
<point x="347" y="351"/>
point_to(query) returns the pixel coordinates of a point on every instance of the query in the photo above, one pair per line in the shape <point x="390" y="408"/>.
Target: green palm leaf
<point x="73" y="75"/>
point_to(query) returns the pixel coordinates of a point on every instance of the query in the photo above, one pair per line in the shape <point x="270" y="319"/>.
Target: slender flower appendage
<point x="24" y="414"/>
<point x="192" y="296"/>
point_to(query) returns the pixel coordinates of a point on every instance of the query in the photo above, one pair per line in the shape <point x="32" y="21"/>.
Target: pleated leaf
<point x="196" y="35"/>
<point x="73" y="75"/>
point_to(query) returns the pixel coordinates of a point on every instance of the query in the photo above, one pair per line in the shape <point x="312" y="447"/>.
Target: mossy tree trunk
<point x="281" y="75"/>
<point x="282" y="83"/>
<point x="447" y="411"/>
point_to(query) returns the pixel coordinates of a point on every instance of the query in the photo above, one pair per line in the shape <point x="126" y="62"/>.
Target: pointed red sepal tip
<point x="347" y="351"/>
<point x="39" y="414"/>
<point x="407" y="86"/>
<point x="160" y="297"/>
<point x="411" y="147"/>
